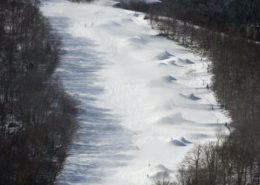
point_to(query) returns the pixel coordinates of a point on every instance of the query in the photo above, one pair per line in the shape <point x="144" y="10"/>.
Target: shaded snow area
<point x="144" y="99"/>
<point x="143" y="1"/>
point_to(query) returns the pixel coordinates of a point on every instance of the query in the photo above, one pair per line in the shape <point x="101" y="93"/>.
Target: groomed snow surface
<point x="144" y="99"/>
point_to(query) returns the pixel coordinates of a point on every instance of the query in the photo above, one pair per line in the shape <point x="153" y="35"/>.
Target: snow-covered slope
<point x="144" y="98"/>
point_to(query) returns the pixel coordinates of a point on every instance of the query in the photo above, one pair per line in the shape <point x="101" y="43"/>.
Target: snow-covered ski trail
<point x="144" y="99"/>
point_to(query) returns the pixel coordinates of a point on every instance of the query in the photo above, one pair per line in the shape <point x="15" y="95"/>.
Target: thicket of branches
<point x="133" y="5"/>
<point x="226" y="11"/>
<point x="236" y="17"/>
<point x="37" y="119"/>
<point x="234" y="159"/>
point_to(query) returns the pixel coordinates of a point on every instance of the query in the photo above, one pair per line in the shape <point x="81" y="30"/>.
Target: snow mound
<point x="113" y="23"/>
<point x="136" y="14"/>
<point x="176" y="142"/>
<point x="185" y="61"/>
<point x="174" y="119"/>
<point x="162" y="64"/>
<point x="165" y="55"/>
<point x="163" y="168"/>
<point x="127" y="20"/>
<point x="173" y="62"/>
<point x="191" y="97"/>
<point x="169" y="79"/>
<point x="184" y="140"/>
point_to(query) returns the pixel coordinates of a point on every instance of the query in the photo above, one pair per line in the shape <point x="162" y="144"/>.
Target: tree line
<point x="37" y="118"/>
<point x="239" y="18"/>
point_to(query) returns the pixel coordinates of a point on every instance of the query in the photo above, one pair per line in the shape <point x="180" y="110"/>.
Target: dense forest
<point x="236" y="17"/>
<point x="37" y="118"/>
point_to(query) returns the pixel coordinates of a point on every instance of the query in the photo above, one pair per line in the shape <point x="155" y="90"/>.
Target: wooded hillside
<point x="37" y="118"/>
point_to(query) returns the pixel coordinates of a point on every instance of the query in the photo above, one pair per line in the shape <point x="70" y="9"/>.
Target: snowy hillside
<point x="144" y="99"/>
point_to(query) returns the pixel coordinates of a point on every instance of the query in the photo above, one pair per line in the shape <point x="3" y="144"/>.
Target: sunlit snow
<point x="143" y="97"/>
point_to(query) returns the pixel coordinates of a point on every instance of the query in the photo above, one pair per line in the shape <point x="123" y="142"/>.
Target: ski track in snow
<point x="144" y="99"/>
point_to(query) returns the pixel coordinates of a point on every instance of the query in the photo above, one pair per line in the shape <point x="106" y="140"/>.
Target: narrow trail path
<point x="144" y="99"/>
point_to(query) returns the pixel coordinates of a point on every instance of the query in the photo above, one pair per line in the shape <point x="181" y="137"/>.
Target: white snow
<point x="144" y="99"/>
